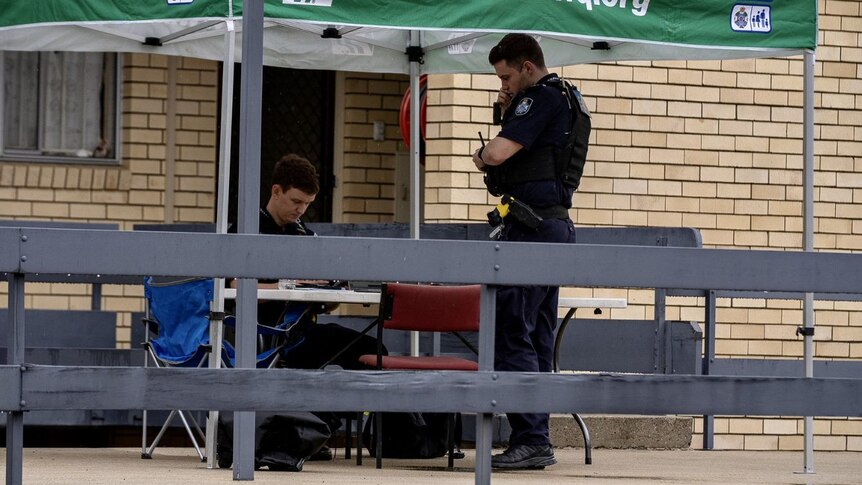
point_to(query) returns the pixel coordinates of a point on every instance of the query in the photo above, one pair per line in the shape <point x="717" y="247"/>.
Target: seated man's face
<point x="289" y="205"/>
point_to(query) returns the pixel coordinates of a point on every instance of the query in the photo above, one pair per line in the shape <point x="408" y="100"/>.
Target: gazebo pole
<point x="216" y="328"/>
<point x="414" y="52"/>
<point x="808" y="237"/>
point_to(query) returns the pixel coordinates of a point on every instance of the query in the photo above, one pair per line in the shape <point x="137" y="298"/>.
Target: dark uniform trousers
<point x="526" y="320"/>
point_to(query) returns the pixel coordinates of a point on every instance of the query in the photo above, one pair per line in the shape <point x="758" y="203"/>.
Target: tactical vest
<point x="549" y="162"/>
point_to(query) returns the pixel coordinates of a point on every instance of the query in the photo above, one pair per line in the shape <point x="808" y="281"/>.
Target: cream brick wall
<point x="714" y="145"/>
<point x="133" y="191"/>
<point x="367" y="178"/>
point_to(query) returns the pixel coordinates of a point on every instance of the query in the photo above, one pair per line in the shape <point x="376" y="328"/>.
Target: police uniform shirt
<point x="269" y="226"/>
<point x="539" y="116"/>
<point x="268" y="312"/>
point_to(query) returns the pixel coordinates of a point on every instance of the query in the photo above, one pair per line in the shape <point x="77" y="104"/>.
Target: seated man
<point x="294" y="187"/>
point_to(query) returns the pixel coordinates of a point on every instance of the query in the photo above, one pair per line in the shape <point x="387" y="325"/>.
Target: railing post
<point x="15" y="356"/>
<point x="706" y="363"/>
<point x="661" y="348"/>
<point x="487" y="322"/>
<point x="248" y="206"/>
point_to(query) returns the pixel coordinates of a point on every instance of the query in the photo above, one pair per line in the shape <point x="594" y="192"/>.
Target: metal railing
<point x="52" y="251"/>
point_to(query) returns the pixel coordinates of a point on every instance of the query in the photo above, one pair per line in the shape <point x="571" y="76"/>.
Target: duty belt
<point x="553" y="212"/>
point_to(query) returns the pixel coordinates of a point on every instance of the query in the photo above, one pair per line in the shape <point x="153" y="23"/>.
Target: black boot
<point x="519" y="457"/>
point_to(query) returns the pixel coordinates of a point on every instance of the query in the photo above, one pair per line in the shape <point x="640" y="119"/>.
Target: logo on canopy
<point x="460" y="48"/>
<point x="751" y="18"/>
<point x="179" y="2"/>
<point x="314" y="3"/>
<point x="347" y="47"/>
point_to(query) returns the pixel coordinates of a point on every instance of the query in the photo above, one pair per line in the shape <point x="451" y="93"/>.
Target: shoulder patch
<point x="524" y="107"/>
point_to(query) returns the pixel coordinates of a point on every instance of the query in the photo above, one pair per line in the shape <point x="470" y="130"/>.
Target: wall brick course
<point x="49" y="210"/>
<point x="94" y="212"/>
<point x="721" y="111"/>
<point x="33" y="176"/>
<point x="664" y="219"/>
<point x="745" y="425"/>
<point x="761" y="442"/>
<point x="19" y="178"/>
<point x="832" y="349"/>
<point x="609" y="201"/>
<point x="830" y="443"/>
<point x="754" y="81"/>
<point x="700" y="221"/>
<point x="681" y="172"/>
<point x="634" y="219"/>
<point x="705" y="94"/>
<point x="729" y="442"/>
<point x="611" y="72"/>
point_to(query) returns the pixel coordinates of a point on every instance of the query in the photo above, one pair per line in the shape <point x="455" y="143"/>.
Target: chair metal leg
<point x="192" y="435"/>
<point x="348" y="437"/>
<point x="378" y="431"/>
<point x="588" y="445"/>
<point x="197" y="427"/>
<point x="144" y="454"/>
<point x="359" y="428"/>
<point x="144" y="435"/>
<point x="450" y="424"/>
<point x="148" y="453"/>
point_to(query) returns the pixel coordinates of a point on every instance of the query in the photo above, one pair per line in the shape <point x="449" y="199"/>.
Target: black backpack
<point x="410" y="435"/>
<point x="283" y="441"/>
<point x="570" y="163"/>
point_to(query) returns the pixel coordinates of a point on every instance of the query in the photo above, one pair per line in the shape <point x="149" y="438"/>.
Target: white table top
<point x="593" y="302"/>
<point x="371" y="297"/>
<point x="313" y="294"/>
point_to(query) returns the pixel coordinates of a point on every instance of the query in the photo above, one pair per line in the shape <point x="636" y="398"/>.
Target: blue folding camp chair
<point x="273" y="342"/>
<point x="178" y="311"/>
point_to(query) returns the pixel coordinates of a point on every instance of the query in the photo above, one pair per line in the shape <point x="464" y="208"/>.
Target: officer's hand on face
<point x="478" y="160"/>
<point x="505" y="99"/>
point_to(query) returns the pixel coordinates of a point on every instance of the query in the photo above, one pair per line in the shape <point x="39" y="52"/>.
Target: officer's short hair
<point x="297" y="172"/>
<point x="516" y="49"/>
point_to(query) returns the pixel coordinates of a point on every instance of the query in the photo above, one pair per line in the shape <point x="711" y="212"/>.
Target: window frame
<point x="22" y="156"/>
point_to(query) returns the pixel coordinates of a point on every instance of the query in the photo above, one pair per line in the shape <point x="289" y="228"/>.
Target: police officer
<point x="520" y="163"/>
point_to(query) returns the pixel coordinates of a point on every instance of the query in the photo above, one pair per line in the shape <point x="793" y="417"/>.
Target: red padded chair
<point x="424" y="308"/>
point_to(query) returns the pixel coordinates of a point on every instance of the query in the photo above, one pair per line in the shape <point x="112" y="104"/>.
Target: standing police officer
<point x="528" y="163"/>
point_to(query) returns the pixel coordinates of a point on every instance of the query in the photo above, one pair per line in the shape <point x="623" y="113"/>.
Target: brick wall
<point x="367" y="179"/>
<point x="133" y="191"/>
<point x="715" y="145"/>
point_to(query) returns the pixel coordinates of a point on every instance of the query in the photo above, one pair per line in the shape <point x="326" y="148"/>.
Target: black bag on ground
<point x="410" y="435"/>
<point x="282" y="442"/>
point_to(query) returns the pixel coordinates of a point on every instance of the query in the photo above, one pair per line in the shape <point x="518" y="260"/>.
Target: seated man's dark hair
<point x="297" y="172"/>
<point x="516" y="49"/>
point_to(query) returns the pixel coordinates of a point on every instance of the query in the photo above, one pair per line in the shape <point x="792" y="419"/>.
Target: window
<point x="59" y="106"/>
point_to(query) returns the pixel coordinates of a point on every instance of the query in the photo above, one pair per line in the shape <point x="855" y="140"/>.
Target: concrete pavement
<point x="179" y="466"/>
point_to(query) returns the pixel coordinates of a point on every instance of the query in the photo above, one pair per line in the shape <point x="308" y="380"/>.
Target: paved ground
<point x="47" y="466"/>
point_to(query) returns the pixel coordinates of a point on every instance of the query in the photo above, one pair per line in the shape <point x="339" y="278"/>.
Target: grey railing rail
<point x="31" y="250"/>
